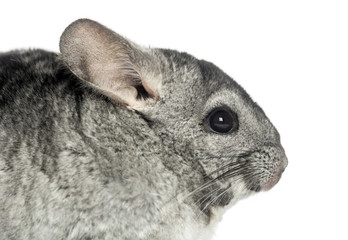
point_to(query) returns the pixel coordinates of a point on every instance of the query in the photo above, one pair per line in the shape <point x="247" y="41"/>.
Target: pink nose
<point x="277" y="173"/>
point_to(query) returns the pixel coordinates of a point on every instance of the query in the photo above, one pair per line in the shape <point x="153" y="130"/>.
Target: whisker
<point x="206" y="197"/>
<point x="231" y="164"/>
<point x="214" y="199"/>
<point x="234" y="169"/>
<point x="230" y="173"/>
<point x="200" y="188"/>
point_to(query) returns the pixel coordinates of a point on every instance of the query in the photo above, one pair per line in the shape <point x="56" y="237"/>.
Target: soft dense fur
<point x="108" y="140"/>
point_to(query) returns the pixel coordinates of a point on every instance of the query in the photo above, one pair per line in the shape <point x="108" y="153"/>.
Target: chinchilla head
<point x="217" y="141"/>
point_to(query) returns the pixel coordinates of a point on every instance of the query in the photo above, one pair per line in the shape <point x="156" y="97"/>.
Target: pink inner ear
<point x="151" y="88"/>
<point x="101" y="57"/>
<point x="125" y="96"/>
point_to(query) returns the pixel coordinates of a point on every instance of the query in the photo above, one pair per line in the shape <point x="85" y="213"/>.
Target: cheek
<point x="214" y="153"/>
<point x="214" y="166"/>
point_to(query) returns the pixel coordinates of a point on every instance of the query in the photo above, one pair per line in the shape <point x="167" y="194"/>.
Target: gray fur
<point x="79" y="160"/>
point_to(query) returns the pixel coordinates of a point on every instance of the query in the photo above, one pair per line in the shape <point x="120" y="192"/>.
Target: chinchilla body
<point x="109" y="140"/>
<point x="70" y="157"/>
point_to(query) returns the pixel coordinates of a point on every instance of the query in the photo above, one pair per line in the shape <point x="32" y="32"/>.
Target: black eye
<point x="222" y="120"/>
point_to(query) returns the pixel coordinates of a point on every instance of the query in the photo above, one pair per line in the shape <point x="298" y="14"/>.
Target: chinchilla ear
<point x="114" y="66"/>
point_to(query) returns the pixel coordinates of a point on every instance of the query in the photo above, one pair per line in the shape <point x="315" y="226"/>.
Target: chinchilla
<point x="111" y="140"/>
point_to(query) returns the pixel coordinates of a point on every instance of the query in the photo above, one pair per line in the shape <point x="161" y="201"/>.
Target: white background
<point x="291" y="56"/>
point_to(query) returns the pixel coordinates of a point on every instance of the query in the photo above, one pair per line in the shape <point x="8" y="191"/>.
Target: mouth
<point x="239" y="179"/>
<point x="219" y="197"/>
